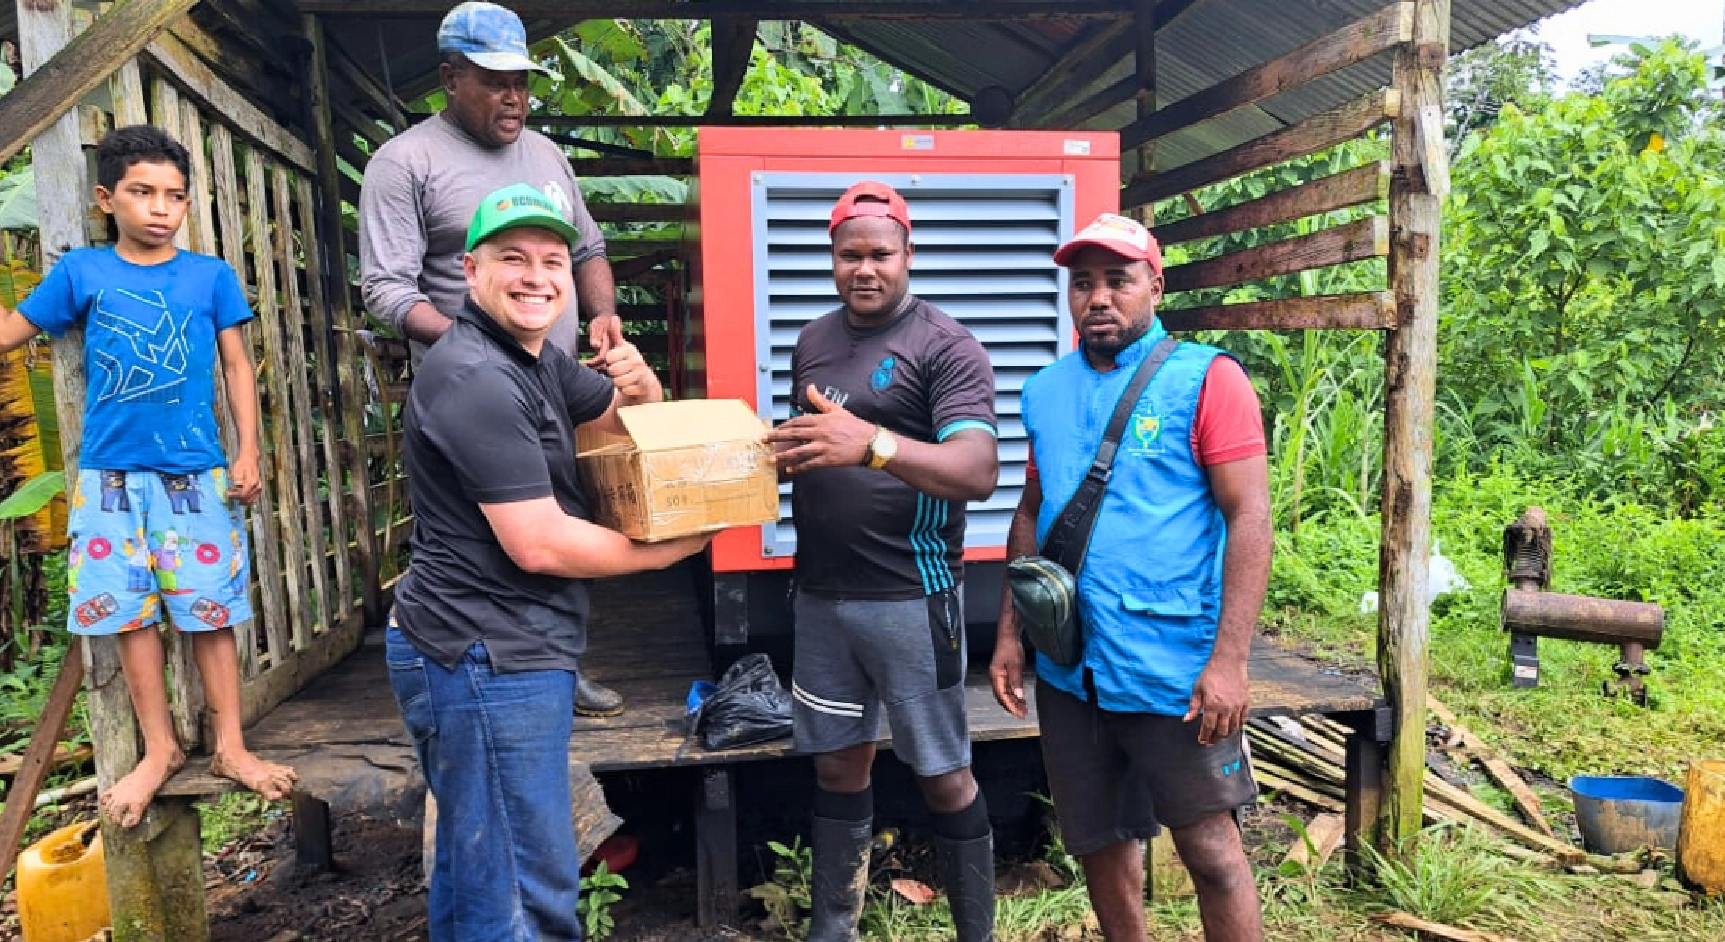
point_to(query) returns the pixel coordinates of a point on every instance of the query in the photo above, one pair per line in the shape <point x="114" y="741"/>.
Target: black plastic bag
<point x="750" y="706"/>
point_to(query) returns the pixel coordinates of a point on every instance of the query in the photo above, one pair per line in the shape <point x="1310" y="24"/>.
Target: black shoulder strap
<point x="1069" y="538"/>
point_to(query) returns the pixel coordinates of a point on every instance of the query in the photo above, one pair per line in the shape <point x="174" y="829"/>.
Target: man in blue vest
<point x="1145" y="731"/>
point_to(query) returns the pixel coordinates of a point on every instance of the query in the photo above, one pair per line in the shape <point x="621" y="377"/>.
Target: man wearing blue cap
<point x="422" y="188"/>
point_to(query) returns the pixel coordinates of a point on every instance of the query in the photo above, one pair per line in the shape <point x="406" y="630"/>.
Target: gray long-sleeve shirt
<point x="420" y="191"/>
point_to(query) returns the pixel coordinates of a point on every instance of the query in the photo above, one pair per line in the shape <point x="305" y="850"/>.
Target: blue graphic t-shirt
<point x="149" y="354"/>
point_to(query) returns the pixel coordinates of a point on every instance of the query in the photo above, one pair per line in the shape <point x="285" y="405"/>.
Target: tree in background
<point x="1584" y="291"/>
<point x="1482" y="80"/>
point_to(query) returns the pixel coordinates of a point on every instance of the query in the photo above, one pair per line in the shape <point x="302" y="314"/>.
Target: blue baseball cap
<point x="490" y="36"/>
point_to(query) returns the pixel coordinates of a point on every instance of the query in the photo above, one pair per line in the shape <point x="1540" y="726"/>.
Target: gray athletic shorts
<point x="1114" y="776"/>
<point x="854" y="655"/>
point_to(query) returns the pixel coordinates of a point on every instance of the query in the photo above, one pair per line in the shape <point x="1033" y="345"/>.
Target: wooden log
<point x="13" y="763"/>
<point x="631" y="166"/>
<point x="836" y="10"/>
<point x="1356" y="187"/>
<point x="39" y="755"/>
<point x="1401" y="920"/>
<point x="1410" y="374"/>
<point x="54" y="85"/>
<point x="272" y="606"/>
<point x="1494" y="765"/>
<point x="1324" y="834"/>
<point x="1314" y="134"/>
<point x="1364" y="238"/>
<point x="1354" y="43"/>
<point x="1369" y="311"/>
<point x="282" y="467"/>
<point x="302" y="413"/>
<point x="1123" y="90"/>
<point x="195" y="79"/>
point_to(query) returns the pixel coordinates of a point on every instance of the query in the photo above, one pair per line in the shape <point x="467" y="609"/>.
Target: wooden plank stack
<point x="1304" y="759"/>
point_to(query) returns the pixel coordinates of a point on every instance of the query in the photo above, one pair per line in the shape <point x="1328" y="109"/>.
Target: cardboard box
<point x="686" y="467"/>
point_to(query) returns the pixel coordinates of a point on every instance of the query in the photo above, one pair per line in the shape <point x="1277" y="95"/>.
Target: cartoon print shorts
<point x="142" y="542"/>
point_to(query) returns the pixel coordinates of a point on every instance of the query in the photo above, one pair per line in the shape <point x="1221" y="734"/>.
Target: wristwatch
<point x="882" y="448"/>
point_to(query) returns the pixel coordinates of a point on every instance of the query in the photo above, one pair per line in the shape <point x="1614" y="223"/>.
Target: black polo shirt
<point x="489" y="423"/>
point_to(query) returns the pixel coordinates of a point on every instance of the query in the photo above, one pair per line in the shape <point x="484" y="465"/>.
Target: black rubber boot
<point x="966" y="870"/>
<point x="840" y="878"/>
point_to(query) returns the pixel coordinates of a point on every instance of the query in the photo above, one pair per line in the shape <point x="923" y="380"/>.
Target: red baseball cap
<point x="1124" y="237"/>
<point x="870" y="198"/>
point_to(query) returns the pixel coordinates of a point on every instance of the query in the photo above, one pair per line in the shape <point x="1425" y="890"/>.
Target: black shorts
<point x="1116" y="776"/>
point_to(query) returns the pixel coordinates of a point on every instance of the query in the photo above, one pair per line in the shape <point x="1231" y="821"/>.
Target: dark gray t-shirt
<point x="489" y="423"/>
<point x="863" y="533"/>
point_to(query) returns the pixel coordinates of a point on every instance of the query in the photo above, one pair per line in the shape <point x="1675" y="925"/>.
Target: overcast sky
<point x="1567" y="32"/>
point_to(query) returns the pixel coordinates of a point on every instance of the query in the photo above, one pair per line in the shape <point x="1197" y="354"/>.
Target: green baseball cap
<point x="515" y="207"/>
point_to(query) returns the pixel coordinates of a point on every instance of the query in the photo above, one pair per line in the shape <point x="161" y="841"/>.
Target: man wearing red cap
<point x="893" y="431"/>
<point x="1144" y="731"/>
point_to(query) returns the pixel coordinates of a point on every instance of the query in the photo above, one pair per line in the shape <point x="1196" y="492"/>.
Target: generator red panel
<point x="988" y="209"/>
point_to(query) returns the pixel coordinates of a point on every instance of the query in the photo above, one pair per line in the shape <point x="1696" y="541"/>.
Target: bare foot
<point x="126" y="802"/>
<point x="268" y="779"/>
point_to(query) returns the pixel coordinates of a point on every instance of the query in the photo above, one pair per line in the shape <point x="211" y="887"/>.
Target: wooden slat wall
<point x="1337" y="233"/>
<point x="253" y="203"/>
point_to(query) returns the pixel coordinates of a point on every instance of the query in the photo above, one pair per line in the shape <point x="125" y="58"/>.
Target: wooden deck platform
<point x="344" y="735"/>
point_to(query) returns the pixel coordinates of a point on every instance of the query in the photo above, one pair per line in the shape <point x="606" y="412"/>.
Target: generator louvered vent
<point x="984" y="254"/>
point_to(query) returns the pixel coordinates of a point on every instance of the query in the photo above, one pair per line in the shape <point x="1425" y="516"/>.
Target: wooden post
<point x="716" y="848"/>
<point x="1410" y="356"/>
<point x="1363" y="780"/>
<point x="350" y="385"/>
<point x="1144" y="156"/>
<point x="156" y="876"/>
<point x="311" y="833"/>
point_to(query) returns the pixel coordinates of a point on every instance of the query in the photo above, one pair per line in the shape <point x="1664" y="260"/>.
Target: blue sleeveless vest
<point x="1150" y="592"/>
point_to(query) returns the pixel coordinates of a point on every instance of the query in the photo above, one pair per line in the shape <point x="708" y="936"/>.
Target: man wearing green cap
<point x="490" y="621"/>
<point x="422" y="187"/>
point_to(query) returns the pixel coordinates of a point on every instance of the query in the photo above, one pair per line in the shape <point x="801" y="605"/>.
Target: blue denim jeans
<point x="495" y="752"/>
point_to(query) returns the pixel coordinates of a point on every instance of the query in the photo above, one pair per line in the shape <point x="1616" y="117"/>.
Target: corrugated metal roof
<point x="1212" y="41"/>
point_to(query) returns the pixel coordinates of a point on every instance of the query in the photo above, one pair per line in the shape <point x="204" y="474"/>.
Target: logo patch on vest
<point x="881" y="378"/>
<point x="1146" y="435"/>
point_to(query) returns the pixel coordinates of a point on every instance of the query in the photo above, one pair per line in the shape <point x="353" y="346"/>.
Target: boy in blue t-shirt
<point x="153" y="524"/>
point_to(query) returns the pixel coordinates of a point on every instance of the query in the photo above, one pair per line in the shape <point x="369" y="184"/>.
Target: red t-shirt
<point x="1229" y="424"/>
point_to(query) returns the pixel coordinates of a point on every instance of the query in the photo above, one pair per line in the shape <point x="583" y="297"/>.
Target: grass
<point x="233" y="815"/>
<point x="1614" y="550"/>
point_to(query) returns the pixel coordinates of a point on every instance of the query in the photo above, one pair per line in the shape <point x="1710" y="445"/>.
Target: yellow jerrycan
<point x="1701" y="848"/>
<point x="62" y="886"/>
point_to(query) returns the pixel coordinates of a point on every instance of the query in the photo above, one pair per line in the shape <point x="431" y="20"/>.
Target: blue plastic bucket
<point x="1619" y="813"/>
